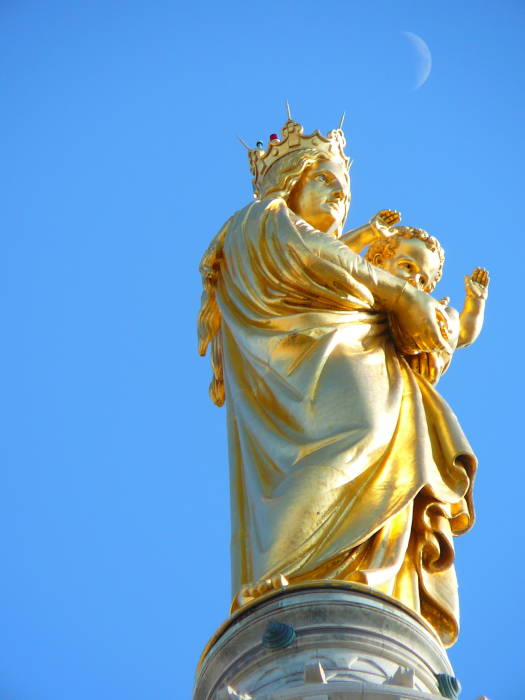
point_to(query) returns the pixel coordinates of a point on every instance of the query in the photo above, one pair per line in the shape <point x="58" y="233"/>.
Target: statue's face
<point x="412" y="261"/>
<point x="319" y="196"/>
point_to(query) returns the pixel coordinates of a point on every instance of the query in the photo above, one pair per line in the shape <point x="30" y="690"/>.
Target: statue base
<point x="325" y="641"/>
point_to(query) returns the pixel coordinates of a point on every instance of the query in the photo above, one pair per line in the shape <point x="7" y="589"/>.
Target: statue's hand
<point x="419" y="323"/>
<point x="429" y="365"/>
<point x="477" y="285"/>
<point x="383" y="220"/>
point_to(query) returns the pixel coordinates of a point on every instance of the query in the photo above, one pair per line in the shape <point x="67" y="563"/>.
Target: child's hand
<point x="477" y="285"/>
<point x="383" y="220"/>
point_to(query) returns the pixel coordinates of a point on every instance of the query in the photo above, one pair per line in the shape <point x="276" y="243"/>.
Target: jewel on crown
<point x="293" y="140"/>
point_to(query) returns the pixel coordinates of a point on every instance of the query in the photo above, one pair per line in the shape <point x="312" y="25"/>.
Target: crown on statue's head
<point x="292" y="141"/>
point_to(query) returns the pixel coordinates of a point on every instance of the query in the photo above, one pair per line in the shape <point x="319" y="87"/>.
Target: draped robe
<point x="345" y="464"/>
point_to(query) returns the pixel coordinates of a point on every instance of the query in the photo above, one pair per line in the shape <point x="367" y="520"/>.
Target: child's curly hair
<point x="386" y="247"/>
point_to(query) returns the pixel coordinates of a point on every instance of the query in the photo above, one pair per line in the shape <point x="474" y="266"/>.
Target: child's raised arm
<point x="379" y="225"/>
<point x="471" y="318"/>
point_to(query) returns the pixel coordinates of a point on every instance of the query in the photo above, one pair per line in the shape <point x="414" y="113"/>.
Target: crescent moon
<point x="425" y="58"/>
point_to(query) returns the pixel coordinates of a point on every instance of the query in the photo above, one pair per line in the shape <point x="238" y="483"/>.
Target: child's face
<point x="412" y="261"/>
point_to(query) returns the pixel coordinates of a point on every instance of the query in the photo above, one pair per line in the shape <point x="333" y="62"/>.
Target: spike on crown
<point x="293" y="140"/>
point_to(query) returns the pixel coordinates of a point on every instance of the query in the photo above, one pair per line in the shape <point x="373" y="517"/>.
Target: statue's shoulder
<point x="258" y="206"/>
<point x="251" y="219"/>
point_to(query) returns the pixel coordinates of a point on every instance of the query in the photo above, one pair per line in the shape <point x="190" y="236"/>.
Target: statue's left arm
<point x="418" y="316"/>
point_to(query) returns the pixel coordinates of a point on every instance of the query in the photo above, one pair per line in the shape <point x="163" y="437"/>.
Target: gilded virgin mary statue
<point x="345" y="463"/>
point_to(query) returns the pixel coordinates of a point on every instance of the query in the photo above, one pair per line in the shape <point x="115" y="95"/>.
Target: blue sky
<point x="119" y="163"/>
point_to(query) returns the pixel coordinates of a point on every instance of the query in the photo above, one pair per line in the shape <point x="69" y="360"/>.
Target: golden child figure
<point x="413" y="255"/>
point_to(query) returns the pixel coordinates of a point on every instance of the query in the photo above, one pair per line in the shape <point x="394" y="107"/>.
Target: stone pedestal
<point x="325" y="642"/>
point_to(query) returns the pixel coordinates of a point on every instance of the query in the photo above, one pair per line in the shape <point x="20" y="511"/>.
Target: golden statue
<point x="346" y="464"/>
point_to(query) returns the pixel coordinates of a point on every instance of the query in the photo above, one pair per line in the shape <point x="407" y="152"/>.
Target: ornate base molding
<point x="325" y="641"/>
